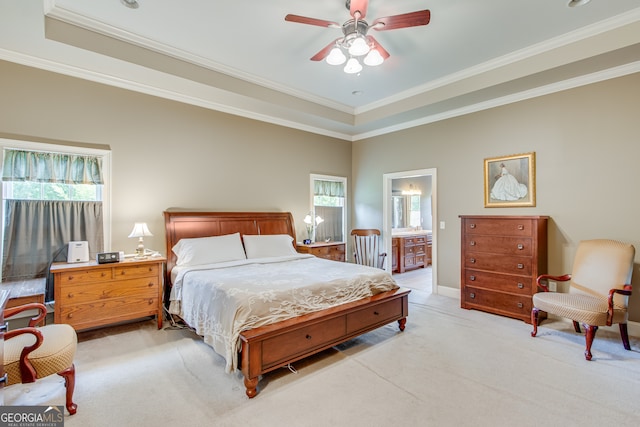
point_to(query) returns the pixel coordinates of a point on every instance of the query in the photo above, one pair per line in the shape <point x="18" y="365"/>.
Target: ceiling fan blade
<point x="325" y="51"/>
<point x="358" y="6"/>
<point x="411" y="19"/>
<point x="379" y="47"/>
<point x="311" y="21"/>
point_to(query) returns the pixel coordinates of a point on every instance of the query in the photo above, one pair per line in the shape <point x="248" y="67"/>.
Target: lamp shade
<point x="373" y="58"/>
<point x="359" y="47"/>
<point x="140" y="229"/>
<point x="353" y="66"/>
<point x="336" y="57"/>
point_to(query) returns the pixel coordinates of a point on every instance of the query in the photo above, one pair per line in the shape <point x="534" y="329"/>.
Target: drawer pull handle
<point x="103" y="274"/>
<point x="472" y="260"/>
<point x="520" y="246"/>
<point x="472" y="278"/>
<point x="520" y="266"/>
<point x="520" y="227"/>
<point x="472" y="226"/>
<point x="150" y="284"/>
<point x="472" y="243"/>
<point x="472" y="295"/>
<point x="520" y="285"/>
<point x="70" y="315"/>
<point x="70" y="295"/>
<point x="150" y="301"/>
<point x="520" y="305"/>
<point x="375" y="313"/>
<point x="308" y="337"/>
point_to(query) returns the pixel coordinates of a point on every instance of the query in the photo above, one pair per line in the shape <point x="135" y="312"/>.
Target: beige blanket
<point x="221" y="301"/>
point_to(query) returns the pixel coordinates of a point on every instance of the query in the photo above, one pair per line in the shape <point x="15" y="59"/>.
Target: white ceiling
<point x="242" y="57"/>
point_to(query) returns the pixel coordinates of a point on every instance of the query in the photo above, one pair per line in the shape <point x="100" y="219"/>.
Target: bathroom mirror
<point x="405" y="211"/>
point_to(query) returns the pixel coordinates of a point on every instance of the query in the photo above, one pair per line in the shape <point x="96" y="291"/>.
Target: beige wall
<point x="587" y="153"/>
<point x="167" y="154"/>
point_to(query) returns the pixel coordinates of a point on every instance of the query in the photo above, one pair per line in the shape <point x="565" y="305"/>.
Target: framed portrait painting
<point x="509" y="181"/>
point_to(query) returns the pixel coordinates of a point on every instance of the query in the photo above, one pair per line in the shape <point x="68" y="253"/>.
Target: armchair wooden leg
<point x="625" y="336"/>
<point x="576" y="326"/>
<point x="590" y="335"/>
<point x="534" y="321"/>
<point x="69" y="376"/>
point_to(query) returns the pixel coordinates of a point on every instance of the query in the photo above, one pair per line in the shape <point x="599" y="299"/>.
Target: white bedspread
<point x="220" y="301"/>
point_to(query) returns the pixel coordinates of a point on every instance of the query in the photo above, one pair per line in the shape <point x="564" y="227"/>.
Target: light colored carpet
<point x="450" y="367"/>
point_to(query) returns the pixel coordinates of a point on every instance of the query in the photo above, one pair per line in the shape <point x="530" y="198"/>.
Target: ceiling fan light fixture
<point x="359" y="46"/>
<point x="336" y="57"/>
<point x="353" y="66"/>
<point x="373" y="58"/>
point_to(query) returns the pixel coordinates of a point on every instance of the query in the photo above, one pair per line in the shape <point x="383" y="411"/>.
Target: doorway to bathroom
<point x="409" y="218"/>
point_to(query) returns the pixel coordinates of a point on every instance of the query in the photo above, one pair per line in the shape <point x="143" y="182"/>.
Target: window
<point x="51" y="195"/>
<point x="329" y="203"/>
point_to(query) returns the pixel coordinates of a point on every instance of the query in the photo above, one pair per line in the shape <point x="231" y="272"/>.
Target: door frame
<point x="387" y="180"/>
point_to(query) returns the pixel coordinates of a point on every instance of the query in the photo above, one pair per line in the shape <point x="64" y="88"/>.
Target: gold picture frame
<point x="509" y="181"/>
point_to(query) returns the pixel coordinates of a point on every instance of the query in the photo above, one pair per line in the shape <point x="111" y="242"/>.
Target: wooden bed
<point x="276" y="345"/>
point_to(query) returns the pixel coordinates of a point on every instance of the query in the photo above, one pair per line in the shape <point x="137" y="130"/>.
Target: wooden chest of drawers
<point x="501" y="258"/>
<point x="88" y="295"/>
<point x="334" y="251"/>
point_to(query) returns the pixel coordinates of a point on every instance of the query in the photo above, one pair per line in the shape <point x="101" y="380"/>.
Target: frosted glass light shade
<point x="359" y="47"/>
<point x="353" y="66"/>
<point x="373" y="58"/>
<point x="336" y="57"/>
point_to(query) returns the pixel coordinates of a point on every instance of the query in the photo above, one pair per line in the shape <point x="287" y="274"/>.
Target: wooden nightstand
<point x="333" y="250"/>
<point x="89" y="294"/>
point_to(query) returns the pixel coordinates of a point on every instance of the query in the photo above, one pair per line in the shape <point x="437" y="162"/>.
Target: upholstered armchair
<point x="366" y="247"/>
<point x="599" y="289"/>
<point x="31" y="353"/>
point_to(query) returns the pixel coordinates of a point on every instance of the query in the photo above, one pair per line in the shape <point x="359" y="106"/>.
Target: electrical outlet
<point x="553" y="286"/>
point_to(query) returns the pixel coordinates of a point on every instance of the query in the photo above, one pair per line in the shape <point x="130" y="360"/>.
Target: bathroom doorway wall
<point x="429" y="216"/>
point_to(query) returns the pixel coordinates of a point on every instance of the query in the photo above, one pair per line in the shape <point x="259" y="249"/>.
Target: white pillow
<point x="209" y="250"/>
<point x="268" y="245"/>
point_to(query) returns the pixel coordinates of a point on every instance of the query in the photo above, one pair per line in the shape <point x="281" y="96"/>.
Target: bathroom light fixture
<point x="140" y="230"/>
<point x="411" y="191"/>
<point x="574" y="3"/>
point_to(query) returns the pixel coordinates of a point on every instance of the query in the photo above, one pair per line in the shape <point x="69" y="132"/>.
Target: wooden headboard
<point x="181" y="224"/>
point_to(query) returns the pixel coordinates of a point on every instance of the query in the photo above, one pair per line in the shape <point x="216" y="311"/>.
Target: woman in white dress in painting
<point x="507" y="186"/>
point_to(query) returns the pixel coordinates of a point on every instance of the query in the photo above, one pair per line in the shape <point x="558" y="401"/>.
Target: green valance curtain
<point x="20" y="165"/>
<point x="328" y="188"/>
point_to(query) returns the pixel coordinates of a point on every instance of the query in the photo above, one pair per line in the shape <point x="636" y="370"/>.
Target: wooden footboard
<point x="273" y="346"/>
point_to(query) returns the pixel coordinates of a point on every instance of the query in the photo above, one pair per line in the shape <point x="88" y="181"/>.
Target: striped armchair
<point x="599" y="289"/>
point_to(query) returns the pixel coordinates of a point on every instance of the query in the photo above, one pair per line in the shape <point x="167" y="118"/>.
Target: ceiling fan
<point x="355" y="42"/>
